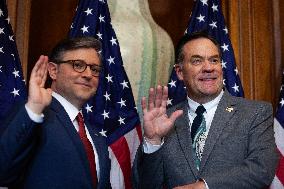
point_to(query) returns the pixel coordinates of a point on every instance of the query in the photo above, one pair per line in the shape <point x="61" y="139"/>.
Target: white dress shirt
<point x="72" y="112"/>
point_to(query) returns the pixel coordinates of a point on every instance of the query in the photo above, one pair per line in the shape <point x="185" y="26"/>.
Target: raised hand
<point x="156" y="122"/>
<point x="39" y="97"/>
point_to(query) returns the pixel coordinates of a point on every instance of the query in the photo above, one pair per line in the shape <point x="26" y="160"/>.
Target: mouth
<point x="86" y="85"/>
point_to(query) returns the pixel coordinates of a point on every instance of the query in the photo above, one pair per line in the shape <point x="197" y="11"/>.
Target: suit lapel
<point x="65" y="121"/>
<point x="103" y="155"/>
<point x="225" y="110"/>
<point x="184" y="139"/>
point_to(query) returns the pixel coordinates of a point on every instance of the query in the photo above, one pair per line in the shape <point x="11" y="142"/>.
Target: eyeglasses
<point x="80" y="66"/>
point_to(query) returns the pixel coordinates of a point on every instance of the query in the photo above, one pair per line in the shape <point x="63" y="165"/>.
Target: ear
<point x="52" y="70"/>
<point x="178" y="69"/>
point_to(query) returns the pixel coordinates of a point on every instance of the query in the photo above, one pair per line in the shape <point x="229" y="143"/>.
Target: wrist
<point x="153" y="141"/>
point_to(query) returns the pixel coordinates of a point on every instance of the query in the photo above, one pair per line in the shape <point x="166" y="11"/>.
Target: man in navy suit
<point x="212" y="140"/>
<point x="47" y="143"/>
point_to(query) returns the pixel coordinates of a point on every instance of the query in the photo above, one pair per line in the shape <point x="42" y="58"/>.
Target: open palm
<point x="156" y="122"/>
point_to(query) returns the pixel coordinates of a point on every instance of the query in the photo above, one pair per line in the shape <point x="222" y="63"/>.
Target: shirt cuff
<point x="33" y="116"/>
<point x="149" y="148"/>
<point x="207" y="187"/>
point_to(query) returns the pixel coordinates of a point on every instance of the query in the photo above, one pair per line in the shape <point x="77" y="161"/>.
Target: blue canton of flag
<point x="278" y="182"/>
<point x="207" y="15"/>
<point x="12" y="84"/>
<point x="113" y="109"/>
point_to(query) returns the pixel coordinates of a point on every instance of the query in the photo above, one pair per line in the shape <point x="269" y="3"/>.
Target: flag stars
<point x="224" y="82"/>
<point x="223" y="63"/>
<point x="213" y="25"/>
<point x="214" y="7"/>
<point x="2" y="30"/>
<point x="172" y="83"/>
<point x="124" y="84"/>
<point x="281" y="102"/>
<point x="16" y="73"/>
<point x="204" y="2"/>
<point x="122" y="102"/>
<point x="1" y="13"/>
<point x="113" y="41"/>
<point x="121" y="120"/>
<point x="110" y="60"/>
<point x="15" y="92"/>
<point x="88" y="11"/>
<point x="13" y="56"/>
<point x="1" y="50"/>
<point x="85" y="29"/>
<point x="103" y="1"/>
<point x="236" y="71"/>
<point x="101" y="18"/>
<point x="109" y="78"/>
<point x="89" y="108"/>
<point x="11" y="37"/>
<point x="225" y="30"/>
<point x="105" y="114"/>
<point x="100" y="36"/>
<point x="225" y="47"/>
<point x="0" y="68"/>
<point x="107" y="96"/>
<point x="236" y="88"/>
<point x="169" y="102"/>
<point x="8" y="20"/>
<point x="201" y="18"/>
<point x="103" y="133"/>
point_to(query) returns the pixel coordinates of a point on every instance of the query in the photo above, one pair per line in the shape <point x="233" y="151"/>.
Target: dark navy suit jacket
<point x="50" y="154"/>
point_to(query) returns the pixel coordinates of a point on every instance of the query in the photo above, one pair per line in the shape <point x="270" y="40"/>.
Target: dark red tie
<point x="88" y="147"/>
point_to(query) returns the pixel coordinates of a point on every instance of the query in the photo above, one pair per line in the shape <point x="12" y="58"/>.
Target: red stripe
<point x="139" y="132"/>
<point x="122" y="154"/>
<point x="280" y="169"/>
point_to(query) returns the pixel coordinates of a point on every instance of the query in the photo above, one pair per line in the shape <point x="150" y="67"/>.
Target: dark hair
<point x="70" y="44"/>
<point x="189" y="37"/>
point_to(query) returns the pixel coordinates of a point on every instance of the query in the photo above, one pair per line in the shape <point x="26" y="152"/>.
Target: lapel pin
<point x="229" y="109"/>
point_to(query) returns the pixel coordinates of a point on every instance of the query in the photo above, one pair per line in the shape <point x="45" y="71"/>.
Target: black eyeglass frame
<point x="95" y="72"/>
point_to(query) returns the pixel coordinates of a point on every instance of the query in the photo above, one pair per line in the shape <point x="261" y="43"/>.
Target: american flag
<point x="113" y="109"/>
<point x="207" y="15"/>
<point x="278" y="182"/>
<point x="12" y="84"/>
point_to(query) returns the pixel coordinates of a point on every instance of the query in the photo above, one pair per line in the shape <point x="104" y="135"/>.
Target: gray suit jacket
<point x="239" y="152"/>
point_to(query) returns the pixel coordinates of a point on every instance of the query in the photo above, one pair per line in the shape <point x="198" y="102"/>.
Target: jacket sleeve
<point x="17" y="144"/>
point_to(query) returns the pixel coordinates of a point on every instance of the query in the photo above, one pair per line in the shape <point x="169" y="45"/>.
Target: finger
<point x="165" y="97"/>
<point x="151" y="99"/>
<point x="175" y="115"/>
<point x="37" y="66"/>
<point x="43" y="67"/>
<point x="143" y="104"/>
<point x="158" y="96"/>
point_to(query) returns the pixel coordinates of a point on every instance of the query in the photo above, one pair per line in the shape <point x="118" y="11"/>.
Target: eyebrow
<point x="199" y="56"/>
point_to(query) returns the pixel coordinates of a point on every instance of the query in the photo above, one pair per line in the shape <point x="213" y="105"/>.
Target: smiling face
<point x="201" y="70"/>
<point x="76" y="87"/>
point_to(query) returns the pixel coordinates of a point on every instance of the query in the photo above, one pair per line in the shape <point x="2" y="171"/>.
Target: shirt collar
<point x="209" y="105"/>
<point x="71" y="110"/>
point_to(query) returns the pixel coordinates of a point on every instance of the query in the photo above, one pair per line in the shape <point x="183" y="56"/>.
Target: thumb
<point x="175" y="115"/>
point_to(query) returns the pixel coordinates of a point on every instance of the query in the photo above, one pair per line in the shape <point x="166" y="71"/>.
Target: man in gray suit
<point x="212" y="140"/>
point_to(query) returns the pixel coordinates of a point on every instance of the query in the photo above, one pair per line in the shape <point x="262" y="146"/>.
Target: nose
<point x="207" y="66"/>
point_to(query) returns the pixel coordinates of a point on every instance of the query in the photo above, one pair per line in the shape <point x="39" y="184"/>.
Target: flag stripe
<point x="122" y="154"/>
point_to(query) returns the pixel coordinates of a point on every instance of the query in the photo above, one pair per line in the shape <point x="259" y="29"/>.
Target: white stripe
<point x="116" y="175"/>
<point x="276" y="184"/>
<point x="133" y="142"/>
<point x="279" y="136"/>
